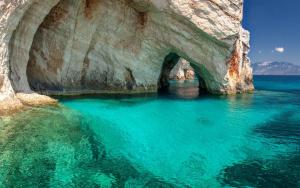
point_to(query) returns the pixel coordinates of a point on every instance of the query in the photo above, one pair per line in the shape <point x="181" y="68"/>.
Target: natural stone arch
<point x="214" y="42"/>
<point x="171" y="60"/>
<point x="60" y="78"/>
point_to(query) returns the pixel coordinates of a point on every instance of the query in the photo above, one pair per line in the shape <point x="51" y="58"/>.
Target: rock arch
<point x="89" y="46"/>
<point x="171" y="60"/>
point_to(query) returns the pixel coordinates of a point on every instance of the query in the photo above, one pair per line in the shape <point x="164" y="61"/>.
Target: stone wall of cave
<point x="91" y="46"/>
<point x="79" y="48"/>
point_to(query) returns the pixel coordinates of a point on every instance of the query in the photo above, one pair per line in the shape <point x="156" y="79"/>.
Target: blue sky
<point x="275" y="29"/>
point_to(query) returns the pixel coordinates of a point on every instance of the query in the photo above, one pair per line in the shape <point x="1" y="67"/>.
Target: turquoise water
<point x="176" y="139"/>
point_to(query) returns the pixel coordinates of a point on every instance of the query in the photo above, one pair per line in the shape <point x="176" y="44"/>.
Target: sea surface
<point x="178" y="138"/>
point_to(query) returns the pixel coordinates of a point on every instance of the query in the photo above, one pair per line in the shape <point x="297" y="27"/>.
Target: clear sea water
<point x="176" y="139"/>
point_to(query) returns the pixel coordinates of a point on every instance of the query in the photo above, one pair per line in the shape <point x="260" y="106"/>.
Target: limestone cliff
<point x="99" y="46"/>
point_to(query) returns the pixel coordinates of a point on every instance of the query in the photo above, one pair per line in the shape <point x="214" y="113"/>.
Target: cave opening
<point x="181" y="78"/>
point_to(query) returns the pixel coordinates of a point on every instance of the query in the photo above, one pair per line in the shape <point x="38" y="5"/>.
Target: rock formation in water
<point x="113" y="46"/>
<point x="182" y="71"/>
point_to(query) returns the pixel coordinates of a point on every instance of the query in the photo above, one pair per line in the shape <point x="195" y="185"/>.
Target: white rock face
<point x="182" y="71"/>
<point x="93" y="46"/>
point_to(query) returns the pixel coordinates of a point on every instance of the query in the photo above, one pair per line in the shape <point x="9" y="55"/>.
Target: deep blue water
<point x="177" y="139"/>
<point x="278" y="83"/>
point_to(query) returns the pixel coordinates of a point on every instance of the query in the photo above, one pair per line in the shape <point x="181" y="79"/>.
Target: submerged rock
<point x="119" y="46"/>
<point x="56" y="148"/>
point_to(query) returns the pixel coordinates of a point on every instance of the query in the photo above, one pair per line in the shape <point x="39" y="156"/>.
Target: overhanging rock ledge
<point x="70" y="47"/>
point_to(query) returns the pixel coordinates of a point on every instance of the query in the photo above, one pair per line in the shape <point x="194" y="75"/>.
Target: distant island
<point x="275" y="68"/>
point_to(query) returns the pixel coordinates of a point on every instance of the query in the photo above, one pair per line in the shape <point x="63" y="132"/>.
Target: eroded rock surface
<point x="93" y="46"/>
<point x="182" y="71"/>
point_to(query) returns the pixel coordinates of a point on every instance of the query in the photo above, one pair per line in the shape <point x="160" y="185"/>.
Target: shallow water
<point x="179" y="139"/>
